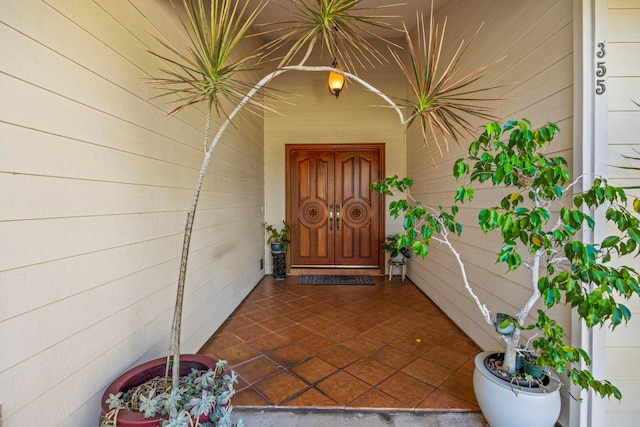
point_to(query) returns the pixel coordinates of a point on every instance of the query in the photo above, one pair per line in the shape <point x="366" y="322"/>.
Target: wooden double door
<point x="336" y="220"/>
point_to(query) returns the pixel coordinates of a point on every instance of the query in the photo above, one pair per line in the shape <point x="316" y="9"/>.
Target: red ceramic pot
<point x="142" y="373"/>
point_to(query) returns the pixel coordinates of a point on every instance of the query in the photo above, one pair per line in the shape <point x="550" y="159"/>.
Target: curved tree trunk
<point x="174" y="350"/>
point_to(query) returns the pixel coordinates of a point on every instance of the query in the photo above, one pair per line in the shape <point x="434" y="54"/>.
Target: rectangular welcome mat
<point x="334" y="279"/>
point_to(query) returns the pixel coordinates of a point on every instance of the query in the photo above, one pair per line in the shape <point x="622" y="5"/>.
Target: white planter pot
<point x="506" y="405"/>
<point x="398" y="258"/>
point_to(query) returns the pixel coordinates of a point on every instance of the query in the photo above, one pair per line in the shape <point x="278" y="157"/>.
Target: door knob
<point x="330" y="217"/>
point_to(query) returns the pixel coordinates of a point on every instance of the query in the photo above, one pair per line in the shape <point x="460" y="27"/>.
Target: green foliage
<point x="206" y="69"/>
<point x="341" y="26"/>
<point x="397" y="244"/>
<point x="572" y="271"/>
<point x="634" y="167"/>
<point x="441" y="98"/>
<point x="279" y="236"/>
<point x="201" y="394"/>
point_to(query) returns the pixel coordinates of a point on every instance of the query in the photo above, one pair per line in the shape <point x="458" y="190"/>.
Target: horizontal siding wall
<point x="623" y="70"/>
<point x="535" y="39"/>
<point x="311" y="115"/>
<point x="96" y="181"/>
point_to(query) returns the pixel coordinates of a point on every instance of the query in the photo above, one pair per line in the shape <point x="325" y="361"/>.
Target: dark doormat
<point x="334" y="279"/>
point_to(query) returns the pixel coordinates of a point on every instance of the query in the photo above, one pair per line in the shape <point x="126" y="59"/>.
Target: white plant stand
<point x="400" y="264"/>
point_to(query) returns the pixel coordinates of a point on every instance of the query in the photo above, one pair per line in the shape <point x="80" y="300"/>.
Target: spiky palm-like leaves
<point x="634" y="167"/>
<point x="341" y="27"/>
<point x="441" y="99"/>
<point x="206" y="71"/>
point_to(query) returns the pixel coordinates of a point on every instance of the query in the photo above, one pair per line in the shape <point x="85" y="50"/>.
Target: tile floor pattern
<point x="384" y="346"/>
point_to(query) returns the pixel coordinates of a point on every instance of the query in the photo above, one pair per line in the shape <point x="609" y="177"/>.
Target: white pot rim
<point x="553" y="386"/>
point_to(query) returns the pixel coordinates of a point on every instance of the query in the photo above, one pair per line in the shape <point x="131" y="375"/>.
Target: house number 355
<point x="601" y="70"/>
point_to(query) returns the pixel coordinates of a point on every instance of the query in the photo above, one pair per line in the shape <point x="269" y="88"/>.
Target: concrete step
<point x="287" y="417"/>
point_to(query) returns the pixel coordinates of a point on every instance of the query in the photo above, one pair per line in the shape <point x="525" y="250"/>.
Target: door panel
<point x="359" y="224"/>
<point x="335" y="219"/>
<point x="312" y="189"/>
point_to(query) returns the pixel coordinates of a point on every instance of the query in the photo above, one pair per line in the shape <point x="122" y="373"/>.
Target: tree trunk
<point x="510" y="353"/>
<point x="174" y="350"/>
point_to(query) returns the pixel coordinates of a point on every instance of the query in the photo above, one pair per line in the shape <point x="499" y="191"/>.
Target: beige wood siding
<point x="536" y="38"/>
<point x="623" y="69"/>
<point x="312" y="115"/>
<point x="96" y="181"/>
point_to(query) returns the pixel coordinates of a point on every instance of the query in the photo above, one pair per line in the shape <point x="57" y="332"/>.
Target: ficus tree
<point x="539" y="220"/>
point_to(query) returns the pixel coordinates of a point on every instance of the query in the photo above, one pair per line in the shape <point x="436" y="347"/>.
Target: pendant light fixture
<point x="336" y="79"/>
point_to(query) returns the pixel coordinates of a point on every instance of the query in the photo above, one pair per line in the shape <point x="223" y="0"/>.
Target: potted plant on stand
<point x="398" y="253"/>
<point x="279" y="241"/>
<point x="539" y="219"/>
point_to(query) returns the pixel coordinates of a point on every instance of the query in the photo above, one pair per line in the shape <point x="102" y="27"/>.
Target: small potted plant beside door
<point x="397" y="248"/>
<point x="279" y="241"/>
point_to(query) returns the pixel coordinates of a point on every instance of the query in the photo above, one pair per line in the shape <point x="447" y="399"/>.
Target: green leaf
<point x="507" y="225"/>
<point x="544" y="132"/>
<point x="634" y="234"/>
<point x="590" y="222"/>
<point x="616" y="317"/>
<point x="509" y="125"/>
<point x="505" y="203"/>
<point x="543" y="284"/>
<point x="460" y="168"/>
<point x="610" y="241"/>
<point x="626" y="313"/>
<point x="550" y="296"/>
<point x="577" y="216"/>
<point x="474" y="148"/>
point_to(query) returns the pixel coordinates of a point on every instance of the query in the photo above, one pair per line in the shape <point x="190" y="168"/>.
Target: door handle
<point x="330" y="217"/>
<point x="337" y="217"/>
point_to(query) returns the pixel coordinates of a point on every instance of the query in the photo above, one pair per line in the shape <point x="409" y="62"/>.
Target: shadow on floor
<point x="385" y="346"/>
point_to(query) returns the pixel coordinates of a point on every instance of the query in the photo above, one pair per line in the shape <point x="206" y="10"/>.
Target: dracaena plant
<point x="442" y="101"/>
<point x="208" y="70"/>
<point x="341" y="26"/>
<point x="540" y="219"/>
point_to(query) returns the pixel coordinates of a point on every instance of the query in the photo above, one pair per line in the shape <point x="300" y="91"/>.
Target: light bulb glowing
<point x="336" y="82"/>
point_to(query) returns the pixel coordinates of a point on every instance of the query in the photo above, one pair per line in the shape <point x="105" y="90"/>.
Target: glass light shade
<point x="336" y="82"/>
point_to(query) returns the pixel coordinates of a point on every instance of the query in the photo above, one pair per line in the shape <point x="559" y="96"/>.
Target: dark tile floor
<point x="325" y="346"/>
